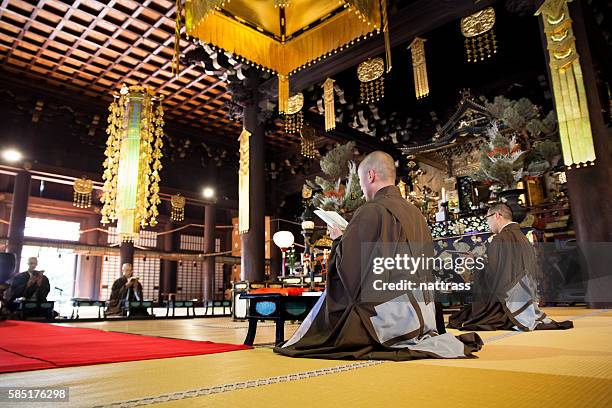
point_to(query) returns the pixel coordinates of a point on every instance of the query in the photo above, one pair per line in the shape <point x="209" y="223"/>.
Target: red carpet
<point x="28" y="346"/>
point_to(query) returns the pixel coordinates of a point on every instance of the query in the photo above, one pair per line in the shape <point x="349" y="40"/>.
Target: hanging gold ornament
<point x="568" y="85"/>
<point x="308" y="135"/>
<point x="281" y="3"/>
<point x="328" y="101"/>
<point x="82" y="193"/>
<point x="283" y="93"/>
<point x="419" y="67"/>
<point x="370" y="74"/>
<point x="293" y="116"/>
<point x="480" y="42"/>
<point x="178" y="207"/>
<point x="130" y="193"/>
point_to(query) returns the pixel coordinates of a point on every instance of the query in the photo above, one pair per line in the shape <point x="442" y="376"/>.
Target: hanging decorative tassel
<point x="328" y="100"/>
<point x="480" y="42"/>
<point x="283" y="93"/>
<point x="308" y="135"/>
<point x="82" y="193"/>
<point x="293" y="116"/>
<point x="385" y="28"/>
<point x="178" y="208"/>
<point x="568" y="85"/>
<point x="176" y="63"/>
<point x="370" y="74"/>
<point x="419" y="67"/>
<point x="243" y="182"/>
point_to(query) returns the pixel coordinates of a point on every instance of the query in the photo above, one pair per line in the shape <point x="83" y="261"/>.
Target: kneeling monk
<point x="352" y="320"/>
<point x="505" y="295"/>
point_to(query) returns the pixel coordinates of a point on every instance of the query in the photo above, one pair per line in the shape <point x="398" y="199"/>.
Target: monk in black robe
<point x="353" y="321"/>
<point x="125" y="289"/>
<point x="31" y="284"/>
<point x="505" y="291"/>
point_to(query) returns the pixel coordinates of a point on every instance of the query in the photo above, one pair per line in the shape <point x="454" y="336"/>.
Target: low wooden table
<point x="278" y="308"/>
<point x="77" y="303"/>
<point x="34" y="309"/>
<point x="144" y="304"/>
<point x="225" y="304"/>
<point x="173" y="304"/>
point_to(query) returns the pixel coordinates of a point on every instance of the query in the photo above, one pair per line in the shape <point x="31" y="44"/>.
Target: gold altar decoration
<point x="308" y="135"/>
<point x="177" y="202"/>
<point x="419" y="67"/>
<point x="306" y="192"/>
<point x="328" y="101"/>
<point x="281" y="39"/>
<point x="130" y="193"/>
<point x="372" y="81"/>
<point x="243" y="182"/>
<point x="480" y="41"/>
<point x="402" y="189"/>
<point x="83" y="188"/>
<point x="568" y="85"/>
<point x="294" y="119"/>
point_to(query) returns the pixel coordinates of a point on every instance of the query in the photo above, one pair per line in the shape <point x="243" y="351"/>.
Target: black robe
<point x="120" y="293"/>
<point x="350" y="321"/>
<point x="505" y="292"/>
<point x="19" y="288"/>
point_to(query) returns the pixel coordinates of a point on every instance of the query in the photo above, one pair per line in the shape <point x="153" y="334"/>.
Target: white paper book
<point x="332" y="218"/>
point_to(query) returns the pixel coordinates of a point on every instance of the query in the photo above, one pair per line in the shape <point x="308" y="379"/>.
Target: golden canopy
<point x="281" y="35"/>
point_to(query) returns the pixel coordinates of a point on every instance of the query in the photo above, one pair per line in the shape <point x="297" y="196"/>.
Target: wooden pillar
<point x="275" y="253"/>
<point x="209" y="246"/>
<point x="168" y="267"/>
<point x="253" y="245"/>
<point x="126" y="251"/>
<point x="19" y="210"/>
<point x="590" y="190"/>
<point x="89" y="268"/>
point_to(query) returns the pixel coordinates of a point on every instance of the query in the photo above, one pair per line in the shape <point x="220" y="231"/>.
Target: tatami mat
<point x="549" y="368"/>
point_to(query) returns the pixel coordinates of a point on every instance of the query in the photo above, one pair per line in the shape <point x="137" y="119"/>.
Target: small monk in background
<point x="127" y="288"/>
<point x="505" y="292"/>
<point x="31" y="285"/>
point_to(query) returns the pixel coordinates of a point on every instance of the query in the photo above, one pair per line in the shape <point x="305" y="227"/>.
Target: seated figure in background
<point x="31" y="285"/>
<point x="125" y="289"/>
<point x="505" y="293"/>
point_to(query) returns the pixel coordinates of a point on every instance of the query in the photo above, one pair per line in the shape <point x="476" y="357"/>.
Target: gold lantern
<point x="480" y="41"/>
<point x="133" y="161"/>
<point x="370" y="74"/>
<point x="285" y="36"/>
<point x="82" y="193"/>
<point x="178" y="208"/>
<point x="294" y="119"/>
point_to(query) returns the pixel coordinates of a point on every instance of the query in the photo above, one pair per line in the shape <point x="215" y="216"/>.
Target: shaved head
<point x="382" y="163"/>
<point x="376" y="170"/>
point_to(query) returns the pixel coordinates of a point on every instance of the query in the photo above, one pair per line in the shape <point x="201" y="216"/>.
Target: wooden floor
<point x="539" y="369"/>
